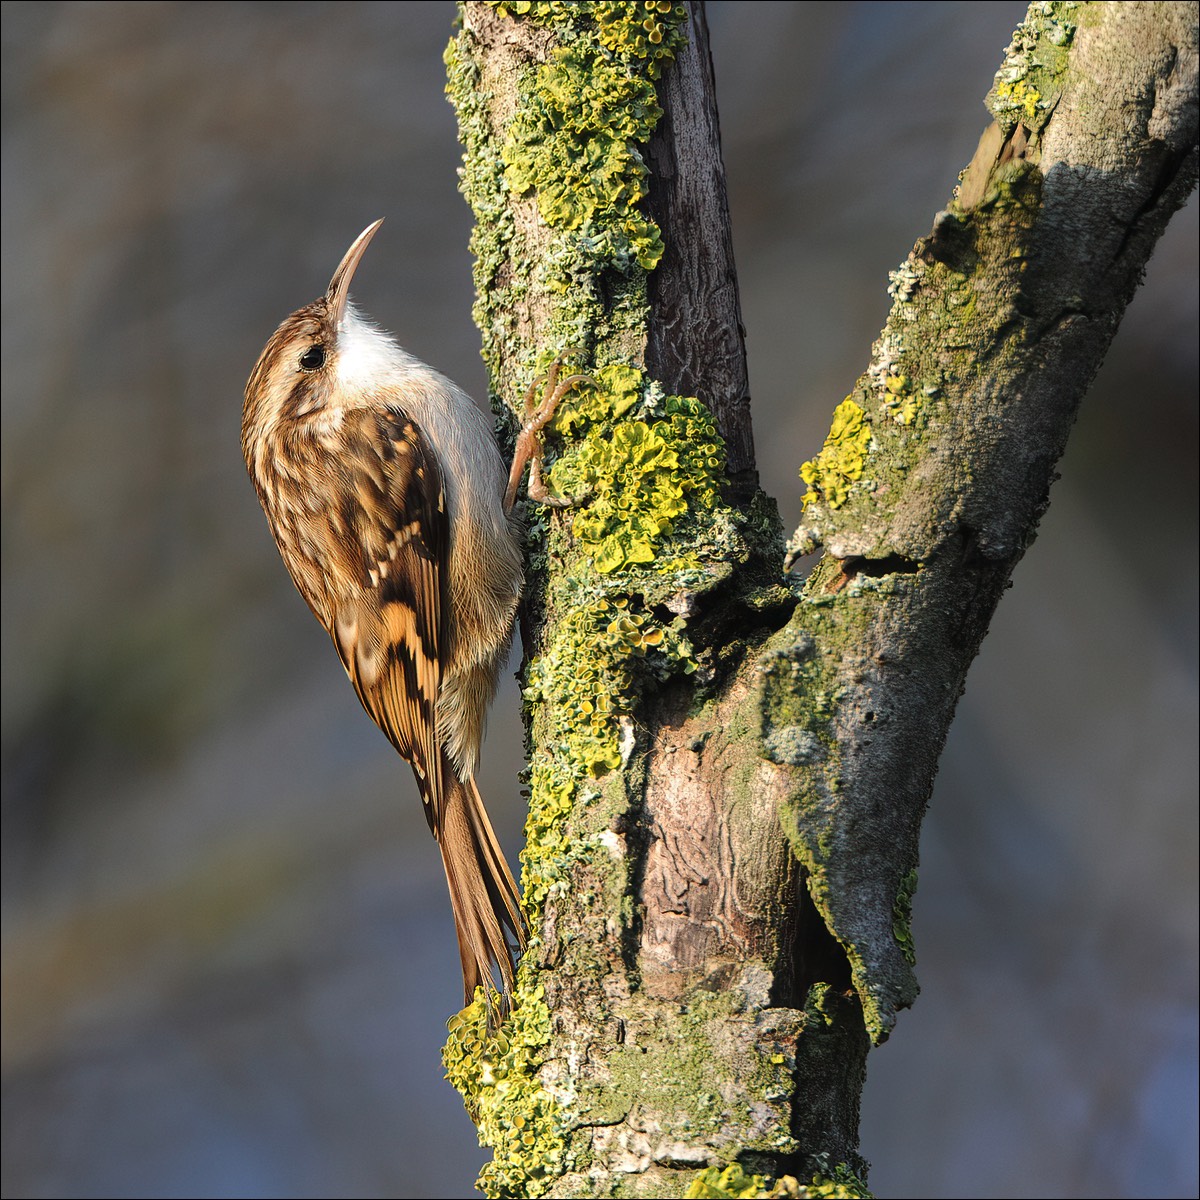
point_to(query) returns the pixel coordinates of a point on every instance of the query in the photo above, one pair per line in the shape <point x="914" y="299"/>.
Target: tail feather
<point x="482" y="892"/>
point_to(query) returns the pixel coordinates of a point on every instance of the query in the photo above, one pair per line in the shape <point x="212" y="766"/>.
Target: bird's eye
<point x="313" y="359"/>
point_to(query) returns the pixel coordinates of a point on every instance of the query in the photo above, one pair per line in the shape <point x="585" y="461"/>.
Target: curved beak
<point x="339" y="285"/>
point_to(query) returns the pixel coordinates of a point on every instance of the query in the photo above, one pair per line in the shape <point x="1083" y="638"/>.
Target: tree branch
<point x="728" y="769"/>
<point x="930" y="486"/>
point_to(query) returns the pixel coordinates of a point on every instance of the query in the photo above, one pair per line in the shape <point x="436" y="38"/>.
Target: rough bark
<point x="695" y="342"/>
<point x="720" y="863"/>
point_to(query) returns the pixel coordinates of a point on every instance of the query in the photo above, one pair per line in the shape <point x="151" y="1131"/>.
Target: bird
<point x="385" y="490"/>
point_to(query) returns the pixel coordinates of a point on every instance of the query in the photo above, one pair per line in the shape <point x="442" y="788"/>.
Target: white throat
<point x="368" y="360"/>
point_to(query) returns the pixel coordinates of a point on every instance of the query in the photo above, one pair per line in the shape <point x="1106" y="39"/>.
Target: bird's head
<point x="314" y="361"/>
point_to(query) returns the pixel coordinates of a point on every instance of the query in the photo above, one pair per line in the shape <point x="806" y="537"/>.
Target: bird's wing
<point x="390" y="629"/>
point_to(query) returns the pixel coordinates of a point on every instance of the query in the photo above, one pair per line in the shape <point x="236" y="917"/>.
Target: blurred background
<point x="228" y="955"/>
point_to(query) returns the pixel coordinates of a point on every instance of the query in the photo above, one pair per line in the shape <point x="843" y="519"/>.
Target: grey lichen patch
<point x="821" y="1039"/>
<point x="497" y="290"/>
<point x="798" y="684"/>
<point x="792" y="745"/>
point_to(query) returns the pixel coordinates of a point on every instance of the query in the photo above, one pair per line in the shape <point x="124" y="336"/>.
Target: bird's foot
<point x="529" y="441"/>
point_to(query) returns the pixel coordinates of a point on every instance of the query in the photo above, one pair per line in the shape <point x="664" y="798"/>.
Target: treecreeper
<point x="386" y="493"/>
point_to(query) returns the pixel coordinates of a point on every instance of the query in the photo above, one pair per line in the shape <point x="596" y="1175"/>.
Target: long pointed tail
<point x="482" y="892"/>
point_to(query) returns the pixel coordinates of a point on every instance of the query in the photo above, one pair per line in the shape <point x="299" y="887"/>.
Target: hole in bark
<point x="876" y="568"/>
<point x="816" y="955"/>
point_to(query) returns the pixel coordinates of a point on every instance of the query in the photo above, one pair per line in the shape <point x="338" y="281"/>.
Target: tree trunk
<point x="728" y="767"/>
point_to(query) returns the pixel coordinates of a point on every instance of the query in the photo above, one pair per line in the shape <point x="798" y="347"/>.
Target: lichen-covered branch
<point x="727" y="768"/>
<point x="938" y="465"/>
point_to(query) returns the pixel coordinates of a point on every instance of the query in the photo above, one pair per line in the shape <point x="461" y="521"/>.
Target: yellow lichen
<point x="540" y="11"/>
<point x="649" y="29"/>
<point x="1019" y="96"/>
<point x="899" y="399"/>
<point x="842" y="458"/>
<point x="1030" y="80"/>
<point x="573" y="142"/>
<point x="497" y="1076"/>
<point x="639" y="468"/>
<point x="734" y="1183"/>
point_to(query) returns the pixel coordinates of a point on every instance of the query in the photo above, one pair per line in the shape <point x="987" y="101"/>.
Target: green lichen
<point x="541" y="12"/>
<point x="648" y="466"/>
<point x="576" y="140"/>
<point x="798" y="703"/>
<point x="580" y="689"/>
<point x="497" y="1076"/>
<point x="639" y="471"/>
<point x="1016" y="184"/>
<point x="842" y="458"/>
<point x="584" y="682"/>
<point x="670" y="1064"/>
<point x="902" y="916"/>
<point x="646" y="30"/>
<point x="574" y="143"/>
<point x="961" y="304"/>
<point x="834" y="1182"/>
<point x="734" y="1183"/>
<point x="800" y="700"/>
<point x="497" y="291"/>
<point x="653" y="31"/>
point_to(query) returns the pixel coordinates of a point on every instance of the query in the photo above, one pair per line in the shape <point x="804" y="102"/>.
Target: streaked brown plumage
<point x="384" y="488"/>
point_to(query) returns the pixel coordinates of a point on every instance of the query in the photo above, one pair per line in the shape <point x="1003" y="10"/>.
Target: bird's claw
<point x="529" y="447"/>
